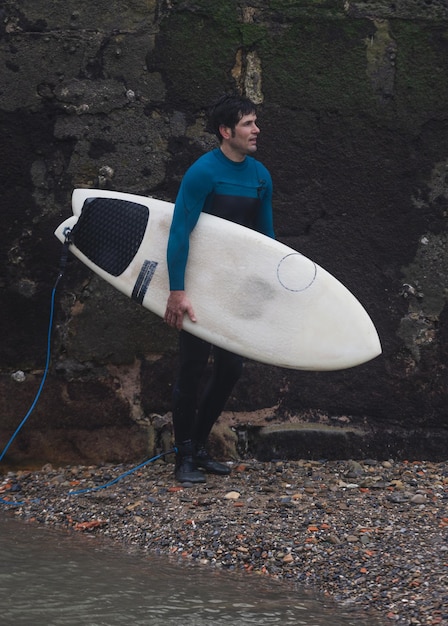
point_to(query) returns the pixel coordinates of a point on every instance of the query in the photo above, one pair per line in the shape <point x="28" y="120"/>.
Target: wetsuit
<point x="240" y="192"/>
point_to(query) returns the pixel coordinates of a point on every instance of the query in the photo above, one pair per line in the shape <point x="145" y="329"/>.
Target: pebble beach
<point x="372" y="535"/>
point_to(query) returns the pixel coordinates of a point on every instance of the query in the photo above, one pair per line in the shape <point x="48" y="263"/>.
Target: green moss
<point x="421" y="82"/>
<point x="313" y="56"/>
<point x="291" y="9"/>
<point x="318" y="65"/>
<point x="251" y="34"/>
<point x="195" y="55"/>
<point x="197" y="50"/>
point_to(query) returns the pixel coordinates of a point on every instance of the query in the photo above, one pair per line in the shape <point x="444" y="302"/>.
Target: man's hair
<point x="227" y="111"/>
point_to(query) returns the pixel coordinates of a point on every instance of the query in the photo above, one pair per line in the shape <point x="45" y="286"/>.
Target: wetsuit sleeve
<point x="190" y="200"/>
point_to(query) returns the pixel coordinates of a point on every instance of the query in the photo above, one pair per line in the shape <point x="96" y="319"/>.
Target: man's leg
<point x="227" y="368"/>
<point x="193" y="358"/>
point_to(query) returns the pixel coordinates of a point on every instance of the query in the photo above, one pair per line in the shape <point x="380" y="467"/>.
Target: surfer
<point x="229" y="183"/>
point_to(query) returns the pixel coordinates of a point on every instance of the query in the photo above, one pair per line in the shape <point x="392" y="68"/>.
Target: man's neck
<point x="232" y="155"/>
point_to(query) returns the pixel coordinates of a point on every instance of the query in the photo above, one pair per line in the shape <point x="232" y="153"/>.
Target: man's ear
<point x="225" y="131"/>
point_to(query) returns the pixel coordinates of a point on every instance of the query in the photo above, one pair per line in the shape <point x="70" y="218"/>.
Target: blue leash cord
<point x="63" y="263"/>
<point x="115" y="480"/>
<point x="93" y="489"/>
<point x="44" y="377"/>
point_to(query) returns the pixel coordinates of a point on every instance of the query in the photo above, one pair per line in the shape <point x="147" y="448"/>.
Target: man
<point x="230" y="183"/>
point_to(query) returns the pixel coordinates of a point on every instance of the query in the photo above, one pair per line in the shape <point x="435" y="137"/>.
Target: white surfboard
<point x="251" y="295"/>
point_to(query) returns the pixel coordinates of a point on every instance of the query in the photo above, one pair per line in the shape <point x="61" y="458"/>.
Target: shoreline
<point x="373" y="536"/>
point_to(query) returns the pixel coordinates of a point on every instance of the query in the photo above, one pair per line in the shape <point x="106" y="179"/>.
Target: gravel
<point x="372" y="535"/>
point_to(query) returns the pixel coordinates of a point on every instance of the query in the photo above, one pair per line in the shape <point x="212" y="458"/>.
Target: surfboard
<point x="251" y="295"/>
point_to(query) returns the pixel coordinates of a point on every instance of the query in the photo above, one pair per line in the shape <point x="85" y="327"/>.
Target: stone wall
<point x="354" y="115"/>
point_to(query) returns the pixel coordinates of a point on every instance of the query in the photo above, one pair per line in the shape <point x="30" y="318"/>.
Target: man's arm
<point x="194" y="188"/>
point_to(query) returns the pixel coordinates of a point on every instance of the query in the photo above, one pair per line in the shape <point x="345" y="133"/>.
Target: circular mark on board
<point x="294" y="275"/>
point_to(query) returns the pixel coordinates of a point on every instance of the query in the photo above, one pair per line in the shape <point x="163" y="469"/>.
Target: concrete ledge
<point x="306" y="441"/>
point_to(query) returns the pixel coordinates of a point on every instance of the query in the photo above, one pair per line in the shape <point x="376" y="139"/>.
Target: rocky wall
<point x="354" y="114"/>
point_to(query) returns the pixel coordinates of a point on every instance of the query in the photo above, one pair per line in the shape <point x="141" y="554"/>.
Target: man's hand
<point x="177" y="305"/>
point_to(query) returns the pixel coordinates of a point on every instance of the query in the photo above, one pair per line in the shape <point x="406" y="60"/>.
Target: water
<point x="50" y="578"/>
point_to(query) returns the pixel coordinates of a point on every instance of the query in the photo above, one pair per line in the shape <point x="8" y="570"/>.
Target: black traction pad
<point x="109" y="232"/>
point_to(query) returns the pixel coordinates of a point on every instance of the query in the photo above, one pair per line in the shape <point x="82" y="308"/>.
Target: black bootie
<point x="186" y="471"/>
<point x="203" y="460"/>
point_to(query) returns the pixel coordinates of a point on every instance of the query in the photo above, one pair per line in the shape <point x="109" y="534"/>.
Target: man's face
<point x="241" y="140"/>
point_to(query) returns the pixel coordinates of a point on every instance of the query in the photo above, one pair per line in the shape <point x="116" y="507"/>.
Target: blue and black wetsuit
<point x="240" y="192"/>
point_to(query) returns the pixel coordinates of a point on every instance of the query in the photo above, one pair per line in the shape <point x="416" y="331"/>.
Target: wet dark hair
<point x="227" y="111"/>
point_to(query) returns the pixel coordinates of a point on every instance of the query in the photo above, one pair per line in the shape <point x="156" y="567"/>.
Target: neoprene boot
<point x="186" y="470"/>
<point x="203" y="460"/>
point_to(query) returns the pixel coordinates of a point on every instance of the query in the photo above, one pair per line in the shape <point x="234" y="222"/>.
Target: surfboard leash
<point x="87" y="490"/>
<point x="62" y="266"/>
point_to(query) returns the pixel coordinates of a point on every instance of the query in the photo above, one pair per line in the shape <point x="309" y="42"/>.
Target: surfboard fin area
<point x="251" y="295"/>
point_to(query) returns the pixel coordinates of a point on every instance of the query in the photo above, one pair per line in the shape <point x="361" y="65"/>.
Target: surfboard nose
<point x="370" y="345"/>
